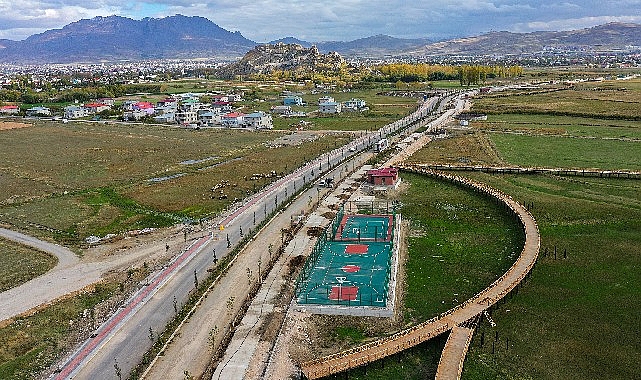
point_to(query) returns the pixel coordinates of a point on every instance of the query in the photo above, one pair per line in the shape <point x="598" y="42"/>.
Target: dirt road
<point x="73" y="274"/>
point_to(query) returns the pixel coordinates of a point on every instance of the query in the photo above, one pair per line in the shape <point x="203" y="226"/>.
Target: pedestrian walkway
<point x="365" y="354"/>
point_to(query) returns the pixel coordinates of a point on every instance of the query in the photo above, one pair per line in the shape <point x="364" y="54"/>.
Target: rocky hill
<point x="608" y="37"/>
<point x="265" y="59"/>
<point x="116" y="38"/>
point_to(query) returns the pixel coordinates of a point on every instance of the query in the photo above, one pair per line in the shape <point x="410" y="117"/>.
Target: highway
<point x="119" y="344"/>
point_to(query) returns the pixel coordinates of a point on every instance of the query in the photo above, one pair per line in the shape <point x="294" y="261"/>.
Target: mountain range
<point x="116" y="38"/>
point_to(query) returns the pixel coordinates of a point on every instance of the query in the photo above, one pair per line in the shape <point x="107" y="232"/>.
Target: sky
<point x="331" y="20"/>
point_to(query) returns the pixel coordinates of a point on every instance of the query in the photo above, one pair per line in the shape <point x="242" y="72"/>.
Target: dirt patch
<point x="7" y="125"/>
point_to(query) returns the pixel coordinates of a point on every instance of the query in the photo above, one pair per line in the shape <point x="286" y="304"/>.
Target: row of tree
<point x="81" y="94"/>
<point x="466" y="74"/>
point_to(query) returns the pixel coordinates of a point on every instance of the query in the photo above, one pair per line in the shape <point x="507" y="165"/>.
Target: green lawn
<point x="564" y="152"/>
<point x="459" y="242"/>
<point x="19" y="264"/>
<point x="577" y="317"/>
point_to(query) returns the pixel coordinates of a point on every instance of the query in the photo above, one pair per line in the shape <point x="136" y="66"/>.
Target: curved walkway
<point x="413" y="336"/>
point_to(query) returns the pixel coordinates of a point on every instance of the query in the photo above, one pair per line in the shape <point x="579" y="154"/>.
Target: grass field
<point x="577" y="316"/>
<point x="458" y="244"/>
<point x="618" y="100"/>
<point x="563" y="152"/>
<point x="74" y="180"/>
<point x="19" y="264"/>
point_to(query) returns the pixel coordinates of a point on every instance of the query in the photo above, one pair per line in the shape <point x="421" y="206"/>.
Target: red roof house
<point x="383" y="177"/>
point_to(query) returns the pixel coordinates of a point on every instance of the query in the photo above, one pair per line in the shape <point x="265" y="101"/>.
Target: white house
<point x="75" y="112"/>
<point x="167" y="117"/>
<point x="186" y="116"/>
<point x="38" y="111"/>
<point x="9" y="110"/>
<point x="281" y="110"/>
<point x="134" y="115"/>
<point x="209" y="118"/>
<point x="329" y="108"/>
<point x="354" y="105"/>
<point x="234" y="98"/>
<point x="325" y="99"/>
<point x="259" y="120"/>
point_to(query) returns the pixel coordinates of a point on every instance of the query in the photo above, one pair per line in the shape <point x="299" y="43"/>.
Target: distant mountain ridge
<point x="116" y="38"/>
<point x="119" y="38"/>
<point x="375" y="46"/>
<point x="607" y="37"/>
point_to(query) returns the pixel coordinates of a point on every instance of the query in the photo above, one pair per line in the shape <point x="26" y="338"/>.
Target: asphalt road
<point x="120" y="342"/>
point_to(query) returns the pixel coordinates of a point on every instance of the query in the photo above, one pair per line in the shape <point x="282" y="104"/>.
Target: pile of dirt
<point x="7" y="125"/>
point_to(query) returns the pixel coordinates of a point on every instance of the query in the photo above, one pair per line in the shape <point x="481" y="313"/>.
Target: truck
<point x="381" y="145"/>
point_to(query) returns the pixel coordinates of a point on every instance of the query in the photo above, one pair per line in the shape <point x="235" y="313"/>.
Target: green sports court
<point x="351" y="265"/>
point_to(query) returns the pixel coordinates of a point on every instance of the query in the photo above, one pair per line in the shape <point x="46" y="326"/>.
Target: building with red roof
<point x="10" y="110"/>
<point x="383" y="176"/>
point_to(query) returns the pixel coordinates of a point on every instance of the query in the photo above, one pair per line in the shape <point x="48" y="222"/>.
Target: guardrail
<point x="417" y="334"/>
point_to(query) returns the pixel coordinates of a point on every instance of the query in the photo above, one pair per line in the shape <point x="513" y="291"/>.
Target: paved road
<point x="124" y="338"/>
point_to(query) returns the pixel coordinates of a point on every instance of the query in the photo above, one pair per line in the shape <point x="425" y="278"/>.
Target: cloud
<point x="264" y="20"/>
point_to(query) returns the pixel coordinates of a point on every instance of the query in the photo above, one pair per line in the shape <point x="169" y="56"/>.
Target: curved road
<point x="38" y="291"/>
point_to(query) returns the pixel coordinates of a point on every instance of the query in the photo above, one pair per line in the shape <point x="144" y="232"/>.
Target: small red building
<point x="383" y="177"/>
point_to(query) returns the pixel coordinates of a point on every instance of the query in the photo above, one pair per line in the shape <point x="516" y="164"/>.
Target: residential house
<point x="209" y="118"/>
<point x="325" y="99"/>
<point x="329" y="108"/>
<point x="9" y="110"/>
<point x="146" y="107"/>
<point x="167" y="117"/>
<point x="74" y="112"/>
<point x="293" y="101"/>
<point x="223" y="107"/>
<point x="259" y="120"/>
<point x="134" y="115"/>
<point x="281" y="110"/>
<point x="94" y="108"/>
<point x="354" y="105"/>
<point x="108" y="101"/>
<point x="234" y="97"/>
<point x="186" y="116"/>
<point x="233" y="120"/>
<point x="168" y="102"/>
<point x="128" y="105"/>
<point x="38" y="111"/>
<point x="220" y="98"/>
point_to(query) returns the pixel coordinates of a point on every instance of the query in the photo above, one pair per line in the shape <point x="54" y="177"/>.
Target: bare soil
<point x="7" y="125"/>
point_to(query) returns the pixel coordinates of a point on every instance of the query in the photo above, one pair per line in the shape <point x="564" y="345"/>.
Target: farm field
<point x="575" y="318"/>
<point x="74" y="180"/>
<point x="616" y="100"/>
